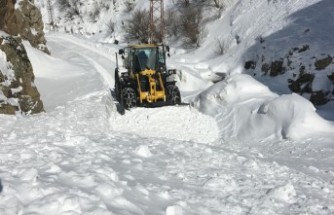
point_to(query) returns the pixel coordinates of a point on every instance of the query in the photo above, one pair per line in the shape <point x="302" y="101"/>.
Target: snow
<point x="246" y="109"/>
<point x="188" y="124"/>
<point x="174" y="210"/>
<point x="239" y="148"/>
<point x="143" y="151"/>
<point x="267" y="31"/>
<point x="8" y="73"/>
<point x="6" y="69"/>
<point x="285" y="193"/>
<point x="83" y="157"/>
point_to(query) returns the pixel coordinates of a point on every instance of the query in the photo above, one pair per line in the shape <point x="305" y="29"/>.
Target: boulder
<point x="323" y="63"/>
<point x="319" y="98"/>
<point x="20" y="20"/>
<point x="17" y="89"/>
<point x="277" y="68"/>
<point x="24" y="18"/>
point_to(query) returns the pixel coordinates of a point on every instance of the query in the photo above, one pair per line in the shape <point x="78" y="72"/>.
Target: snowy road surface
<point x="82" y="157"/>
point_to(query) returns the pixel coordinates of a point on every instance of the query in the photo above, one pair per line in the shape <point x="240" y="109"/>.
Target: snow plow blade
<point x="163" y="104"/>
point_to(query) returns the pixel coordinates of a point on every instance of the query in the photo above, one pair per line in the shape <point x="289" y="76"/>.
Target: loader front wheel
<point x="129" y="97"/>
<point x="173" y="94"/>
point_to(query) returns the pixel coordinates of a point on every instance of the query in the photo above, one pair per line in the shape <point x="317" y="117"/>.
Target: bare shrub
<point x="185" y="23"/>
<point x="94" y="14"/>
<point x="110" y="27"/>
<point x="70" y="8"/>
<point x="191" y="28"/>
<point x="63" y="5"/>
<point x="137" y="27"/>
<point x="220" y="47"/>
<point x="129" y="5"/>
<point x="218" y="3"/>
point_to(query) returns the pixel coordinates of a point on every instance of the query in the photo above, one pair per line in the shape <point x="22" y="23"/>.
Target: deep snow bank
<point x="246" y="109"/>
<point x="178" y="123"/>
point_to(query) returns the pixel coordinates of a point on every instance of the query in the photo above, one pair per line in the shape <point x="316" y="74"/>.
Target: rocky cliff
<point x="23" y="18"/>
<point x="304" y="72"/>
<point x="298" y="53"/>
<point x="19" y="20"/>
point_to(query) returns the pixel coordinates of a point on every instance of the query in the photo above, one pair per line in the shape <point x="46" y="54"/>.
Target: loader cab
<point x="141" y="57"/>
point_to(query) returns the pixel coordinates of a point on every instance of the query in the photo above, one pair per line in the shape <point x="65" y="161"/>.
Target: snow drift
<point x="246" y="109"/>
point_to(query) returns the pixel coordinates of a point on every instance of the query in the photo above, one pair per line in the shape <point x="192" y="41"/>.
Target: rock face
<point x="303" y="72"/>
<point x="17" y="90"/>
<point x="3" y="5"/>
<point x="25" y="21"/>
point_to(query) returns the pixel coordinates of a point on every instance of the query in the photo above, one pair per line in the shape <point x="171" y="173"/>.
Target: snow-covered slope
<point x="83" y="157"/>
<point x="285" y="41"/>
<point x="240" y="149"/>
<point x="243" y="23"/>
<point x="248" y="110"/>
<point x="286" y="45"/>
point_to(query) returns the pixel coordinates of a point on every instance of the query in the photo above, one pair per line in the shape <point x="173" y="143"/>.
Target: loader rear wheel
<point x="173" y="94"/>
<point x="117" y="89"/>
<point x="129" y="97"/>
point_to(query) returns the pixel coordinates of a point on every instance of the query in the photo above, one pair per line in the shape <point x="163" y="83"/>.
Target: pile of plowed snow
<point x="177" y="122"/>
<point x="246" y="109"/>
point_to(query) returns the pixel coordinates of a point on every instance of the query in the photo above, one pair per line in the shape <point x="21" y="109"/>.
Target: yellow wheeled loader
<point x="143" y="78"/>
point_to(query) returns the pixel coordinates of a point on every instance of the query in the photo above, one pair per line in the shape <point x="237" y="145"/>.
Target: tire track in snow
<point x="103" y="63"/>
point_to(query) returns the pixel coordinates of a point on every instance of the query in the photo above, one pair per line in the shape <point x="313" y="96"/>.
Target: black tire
<point x="129" y="98"/>
<point x="117" y="89"/>
<point x="173" y="94"/>
<point x="117" y="92"/>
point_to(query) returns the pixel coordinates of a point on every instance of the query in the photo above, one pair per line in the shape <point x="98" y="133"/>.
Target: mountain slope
<point x="284" y="44"/>
<point x="82" y="157"/>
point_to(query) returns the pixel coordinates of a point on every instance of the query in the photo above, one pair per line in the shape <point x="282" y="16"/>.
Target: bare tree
<point x="190" y="23"/>
<point x="172" y="23"/>
<point x="184" y="3"/>
<point x="219" y="4"/>
<point x="70" y="8"/>
<point x="137" y="27"/>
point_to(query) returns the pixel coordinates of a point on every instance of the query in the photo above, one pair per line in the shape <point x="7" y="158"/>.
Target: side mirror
<point x="167" y="50"/>
<point x="121" y="51"/>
